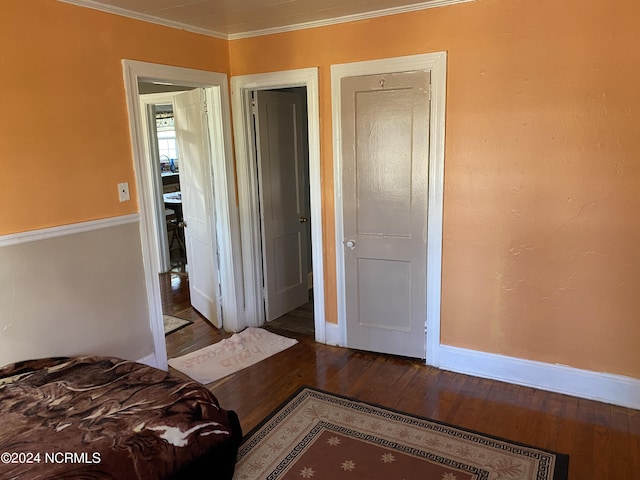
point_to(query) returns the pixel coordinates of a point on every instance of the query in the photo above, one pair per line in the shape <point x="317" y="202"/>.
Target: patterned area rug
<point x="172" y="324"/>
<point x="231" y="354"/>
<point x="321" y="436"/>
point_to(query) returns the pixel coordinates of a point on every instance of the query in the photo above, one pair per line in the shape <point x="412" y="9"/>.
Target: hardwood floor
<point x="299" y="320"/>
<point x="603" y="441"/>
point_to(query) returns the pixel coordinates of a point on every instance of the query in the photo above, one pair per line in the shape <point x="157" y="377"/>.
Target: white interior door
<point x="192" y="136"/>
<point x="385" y="135"/>
<point x="280" y="141"/>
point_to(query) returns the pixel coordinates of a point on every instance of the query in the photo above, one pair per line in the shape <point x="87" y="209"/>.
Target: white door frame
<point x="436" y="63"/>
<point x="241" y="88"/>
<point x="223" y="184"/>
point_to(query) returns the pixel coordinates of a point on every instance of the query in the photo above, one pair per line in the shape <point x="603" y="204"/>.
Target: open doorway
<point x="280" y="133"/>
<point x="177" y="132"/>
<point x="169" y="161"/>
<point x="244" y="87"/>
<point x="209" y="94"/>
<point x="163" y="155"/>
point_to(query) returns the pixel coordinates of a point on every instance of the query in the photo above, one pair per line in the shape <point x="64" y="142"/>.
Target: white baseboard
<point x="150" y="360"/>
<point x="333" y="335"/>
<point x="602" y="387"/>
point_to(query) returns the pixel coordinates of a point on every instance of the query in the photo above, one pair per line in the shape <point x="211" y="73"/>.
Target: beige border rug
<point x="322" y="436"/>
<point x="172" y="324"/>
<point x="231" y="354"/>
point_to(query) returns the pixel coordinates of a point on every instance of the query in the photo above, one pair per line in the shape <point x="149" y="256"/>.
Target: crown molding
<point x="347" y="18"/>
<point x="266" y="31"/>
<point x="144" y="17"/>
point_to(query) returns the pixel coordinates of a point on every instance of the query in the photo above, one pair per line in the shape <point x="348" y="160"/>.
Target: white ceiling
<point x="243" y="18"/>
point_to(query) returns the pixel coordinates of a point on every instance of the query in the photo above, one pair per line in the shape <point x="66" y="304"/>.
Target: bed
<point x="106" y="418"/>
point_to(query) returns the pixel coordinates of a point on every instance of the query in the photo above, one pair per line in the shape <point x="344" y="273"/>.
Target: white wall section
<point x="73" y="290"/>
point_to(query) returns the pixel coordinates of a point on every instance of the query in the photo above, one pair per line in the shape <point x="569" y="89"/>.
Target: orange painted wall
<point x="542" y="153"/>
<point x="64" y="132"/>
<point x="542" y="168"/>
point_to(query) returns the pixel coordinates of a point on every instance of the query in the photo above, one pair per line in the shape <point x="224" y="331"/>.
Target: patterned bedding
<point x="106" y="418"/>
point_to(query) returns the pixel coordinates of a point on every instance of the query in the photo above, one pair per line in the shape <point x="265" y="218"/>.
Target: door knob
<point x="303" y="219"/>
<point x="351" y="244"/>
<point x="182" y="224"/>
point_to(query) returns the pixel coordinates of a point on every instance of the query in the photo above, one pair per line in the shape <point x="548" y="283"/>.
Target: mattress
<point x="107" y="418"/>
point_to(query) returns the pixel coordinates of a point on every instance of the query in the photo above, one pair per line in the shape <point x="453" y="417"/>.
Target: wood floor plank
<point x="403" y="385"/>
<point x="632" y="439"/>
<point x="621" y="441"/>
<point x="560" y="415"/>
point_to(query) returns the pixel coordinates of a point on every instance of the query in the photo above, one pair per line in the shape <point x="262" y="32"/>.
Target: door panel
<point x="383" y="179"/>
<point x="385" y="145"/>
<point x="287" y="274"/>
<point x="192" y="135"/>
<point x="280" y="144"/>
<point x="376" y="278"/>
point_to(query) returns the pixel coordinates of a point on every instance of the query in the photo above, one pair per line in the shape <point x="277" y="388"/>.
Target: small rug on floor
<point x="323" y="436"/>
<point x="231" y="354"/>
<point x="171" y="324"/>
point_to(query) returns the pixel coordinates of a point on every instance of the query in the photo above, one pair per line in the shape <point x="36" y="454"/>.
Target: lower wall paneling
<point x="72" y="290"/>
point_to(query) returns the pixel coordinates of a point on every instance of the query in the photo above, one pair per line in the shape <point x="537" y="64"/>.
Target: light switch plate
<point x="123" y="191"/>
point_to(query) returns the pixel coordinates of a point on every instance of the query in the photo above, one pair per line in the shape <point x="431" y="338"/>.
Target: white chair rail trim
<point x="70" y="229"/>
